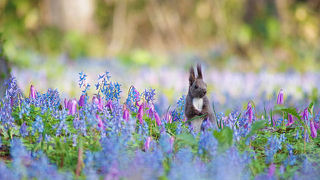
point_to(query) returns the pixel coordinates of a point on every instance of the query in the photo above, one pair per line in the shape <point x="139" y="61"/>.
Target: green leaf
<point x="187" y="140"/>
<point x="256" y="126"/>
<point x="224" y="137"/>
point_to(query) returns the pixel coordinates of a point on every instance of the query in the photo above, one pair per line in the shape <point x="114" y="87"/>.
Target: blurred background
<point x="244" y="45"/>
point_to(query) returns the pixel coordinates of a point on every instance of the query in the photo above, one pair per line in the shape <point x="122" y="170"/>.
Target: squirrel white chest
<point x="197" y="103"/>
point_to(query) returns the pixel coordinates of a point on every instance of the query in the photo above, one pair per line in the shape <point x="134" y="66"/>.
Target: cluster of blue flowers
<point x="43" y="138"/>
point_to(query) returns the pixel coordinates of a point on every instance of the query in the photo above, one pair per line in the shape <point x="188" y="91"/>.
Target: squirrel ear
<point x="192" y="77"/>
<point x="199" y="71"/>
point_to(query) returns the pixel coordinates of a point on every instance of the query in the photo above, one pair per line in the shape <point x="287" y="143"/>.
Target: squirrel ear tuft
<point x="199" y="71"/>
<point x="192" y="76"/>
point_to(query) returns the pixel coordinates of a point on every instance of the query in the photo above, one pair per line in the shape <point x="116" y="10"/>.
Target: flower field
<point x="117" y="134"/>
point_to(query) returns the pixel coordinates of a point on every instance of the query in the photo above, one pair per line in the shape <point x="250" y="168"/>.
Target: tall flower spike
<point x="249" y="112"/>
<point x="313" y="130"/>
<point x="72" y="106"/>
<point x="156" y="116"/>
<point x="290" y="120"/>
<point x="32" y="93"/>
<point x="280" y="97"/>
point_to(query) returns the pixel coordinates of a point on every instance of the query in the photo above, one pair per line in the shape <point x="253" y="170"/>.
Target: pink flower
<point x="72" y="106"/>
<point x="280" y="97"/>
<point x="100" y="123"/>
<point x="98" y="101"/>
<point x="147" y="143"/>
<point x="33" y="92"/>
<point x="313" y="130"/>
<point x="125" y="115"/>
<point x="272" y="169"/>
<point x="82" y="100"/>
<point x="249" y="112"/>
<point x="140" y="113"/>
<point x="290" y="120"/>
<point x="109" y="105"/>
<point x="156" y="116"/>
<point x="151" y="111"/>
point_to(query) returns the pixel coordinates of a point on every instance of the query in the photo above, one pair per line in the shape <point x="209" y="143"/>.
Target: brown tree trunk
<point x="4" y="71"/>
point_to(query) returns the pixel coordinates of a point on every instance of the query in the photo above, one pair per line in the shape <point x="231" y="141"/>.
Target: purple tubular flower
<point x="305" y="114"/>
<point x="95" y="100"/>
<point x="125" y="115"/>
<point x="249" y="112"/>
<point x="72" y="106"/>
<point x="109" y="105"/>
<point x="140" y="113"/>
<point x="82" y="100"/>
<point x="280" y="97"/>
<point x="147" y="143"/>
<point x="156" y="116"/>
<point x="32" y="93"/>
<point x="313" y="130"/>
<point x="272" y="169"/>
<point x="100" y="123"/>
<point x="151" y="111"/>
<point x="290" y="120"/>
<point x="98" y="101"/>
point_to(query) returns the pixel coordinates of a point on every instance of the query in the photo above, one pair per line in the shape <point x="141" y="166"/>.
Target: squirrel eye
<point x="196" y="86"/>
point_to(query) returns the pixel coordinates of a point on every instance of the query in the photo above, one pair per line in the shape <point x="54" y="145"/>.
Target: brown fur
<point x="198" y="89"/>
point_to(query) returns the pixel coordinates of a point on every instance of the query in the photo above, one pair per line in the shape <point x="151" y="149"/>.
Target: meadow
<point x="111" y="134"/>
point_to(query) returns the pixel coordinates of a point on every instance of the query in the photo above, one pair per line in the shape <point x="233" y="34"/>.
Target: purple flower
<point x="156" y="116"/>
<point x="109" y="105"/>
<point x="33" y="92"/>
<point x="72" y="106"/>
<point x="151" y="111"/>
<point x="147" y="143"/>
<point x="82" y="100"/>
<point x="313" y="130"/>
<point x="272" y="169"/>
<point x="140" y="113"/>
<point x="125" y="115"/>
<point x="290" y="120"/>
<point x="98" y="101"/>
<point x="249" y="112"/>
<point x="280" y="97"/>
<point x="100" y="123"/>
